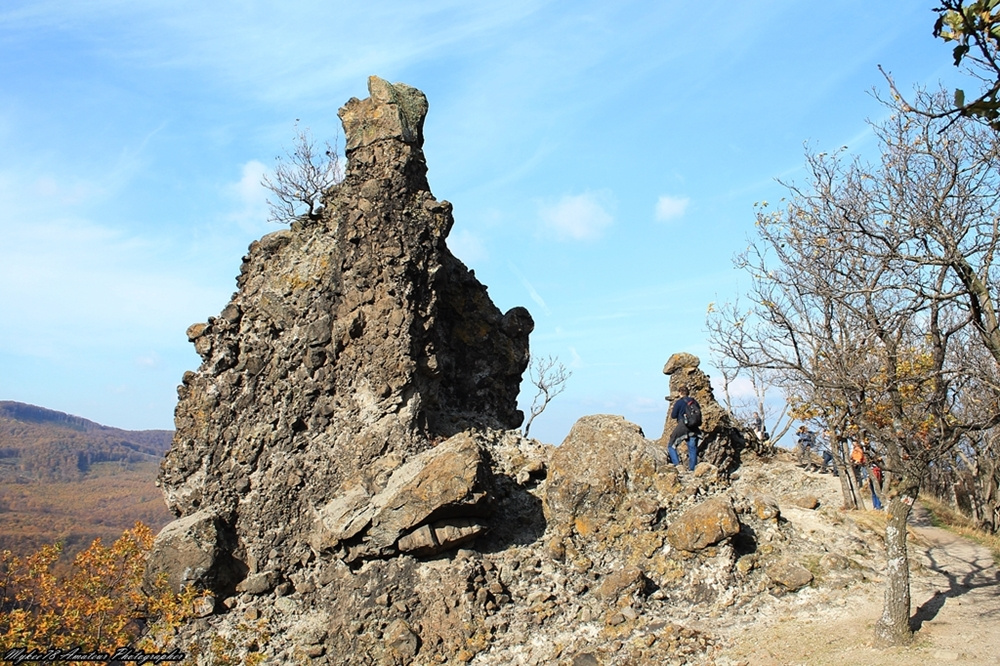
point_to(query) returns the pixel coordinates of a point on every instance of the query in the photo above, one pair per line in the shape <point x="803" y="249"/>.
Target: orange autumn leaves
<point x="100" y="604"/>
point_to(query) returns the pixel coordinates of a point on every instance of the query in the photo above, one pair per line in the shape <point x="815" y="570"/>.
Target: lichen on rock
<point x="352" y="345"/>
<point x="350" y="487"/>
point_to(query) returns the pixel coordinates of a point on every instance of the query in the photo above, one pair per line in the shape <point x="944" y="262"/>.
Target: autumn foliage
<point x="100" y="604"/>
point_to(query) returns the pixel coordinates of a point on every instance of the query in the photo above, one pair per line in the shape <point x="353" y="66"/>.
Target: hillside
<point x="64" y="478"/>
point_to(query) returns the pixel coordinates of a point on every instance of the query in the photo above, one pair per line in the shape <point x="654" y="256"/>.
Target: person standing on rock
<point x="759" y="429"/>
<point x="806" y="441"/>
<point x="826" y="446"/>
<point x="687" y="412"/>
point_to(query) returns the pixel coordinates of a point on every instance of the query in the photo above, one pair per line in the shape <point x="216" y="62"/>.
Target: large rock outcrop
<point x="350" y="490"/>
<point x="354" y="343"/>
<point x="722" y="438"/>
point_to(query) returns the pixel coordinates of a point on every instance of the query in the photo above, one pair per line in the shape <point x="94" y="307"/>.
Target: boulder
<point x="804" y="501"/>
<point x="447" y="481"/>
<point x="602" y="462"/>
<point x="765" y="507"/>
<point x="192" y="551"/>
<point x="722" y="437"/>
<point x="789" y="575"/>
<point x="440" y="536"/>
<point x="701" y="526"/>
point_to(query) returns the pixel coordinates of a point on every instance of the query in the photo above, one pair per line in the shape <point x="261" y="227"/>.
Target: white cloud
<point x="82" y="285"/>
<point x="668" y="208"/>
<point x="739" y="388"/>
<point x="149" y="360"/>
<point x="251" y="197"/>
<point x="468" y="247"/>
<point x="578" y="217"/>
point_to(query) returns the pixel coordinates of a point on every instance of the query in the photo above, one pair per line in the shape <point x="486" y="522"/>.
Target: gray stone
<point x="766" y="507"/>
<point x="451" y="479"/>
<point x="602" y="461"/>
<point x="354" y="343"/>
<point x="439" y="537"/>
<point x="190" y="551"/>
<point x="790" y="575"/>
<point x="401" y="642"/>
<point x="703" y="525"/>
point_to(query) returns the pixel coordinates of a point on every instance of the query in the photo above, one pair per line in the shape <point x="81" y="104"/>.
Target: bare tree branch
<point x="867" y="290"/>
<point x="549" y="376"/>
<point x="300" y="180"/>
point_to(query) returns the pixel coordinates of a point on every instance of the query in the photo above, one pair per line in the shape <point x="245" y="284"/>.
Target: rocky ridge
<point x="349" y="488"/>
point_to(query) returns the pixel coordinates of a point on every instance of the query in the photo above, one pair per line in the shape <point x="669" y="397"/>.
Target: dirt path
<point x="955" y="592"/>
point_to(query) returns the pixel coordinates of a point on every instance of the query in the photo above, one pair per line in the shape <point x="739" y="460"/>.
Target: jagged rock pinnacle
<point x="353" y="344"/>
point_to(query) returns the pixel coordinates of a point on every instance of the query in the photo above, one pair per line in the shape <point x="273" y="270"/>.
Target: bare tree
<point x="301" y="178"/>
<point x="866" y="287"/>
<point x="549" y="376"/>
<point x="744" y="408"/>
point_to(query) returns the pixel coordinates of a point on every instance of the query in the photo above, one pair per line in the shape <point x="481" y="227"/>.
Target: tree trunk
<point x="845" y="470"/>
<point x="893" y="628"/>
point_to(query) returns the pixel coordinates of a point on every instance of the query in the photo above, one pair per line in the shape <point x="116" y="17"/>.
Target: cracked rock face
<point x="722" y="439"/>
<point x="351" y="491"/>
<point x="353" y="344"/>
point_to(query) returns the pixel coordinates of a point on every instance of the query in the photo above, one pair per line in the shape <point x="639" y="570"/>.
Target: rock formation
<point x="352" y="345"/>
<point x="722" y="437"/>
<point x="349" y="489"/>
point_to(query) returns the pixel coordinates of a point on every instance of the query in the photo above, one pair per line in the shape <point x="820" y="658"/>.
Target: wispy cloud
<point x="739" y="388"/>
<point x="250" y="196"/>
<point x="669" y="208"/>
<point x="467" y="246"/>
<point x="532" y="292"/>
<point x="79" y="283"/>
<point x="578" y="217"/>
<point x="248" y="48"/>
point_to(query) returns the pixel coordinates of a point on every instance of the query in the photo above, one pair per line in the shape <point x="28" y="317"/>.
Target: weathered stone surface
<point x="602" y="461"/>
<point x="401" y="642"/>
<point x="681" y="361"/>
<point x="257" y="583"/>
<point x="192" y="551"/>
<point x="392" y="112"/>
<point x="789" y="575"/>
<point x="353" y="343"/>
<point x="722" y="437"/>
<point x="804" y="501"/>
<point x="701" y="526"/>
<point x="621" y="587"/>
<point x="440" y="536"/>
<point x="766" y="507"/>
<point x="448" y="480"/>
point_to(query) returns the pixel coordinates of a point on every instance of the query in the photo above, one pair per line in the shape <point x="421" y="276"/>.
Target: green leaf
<point x="959" y="97"/>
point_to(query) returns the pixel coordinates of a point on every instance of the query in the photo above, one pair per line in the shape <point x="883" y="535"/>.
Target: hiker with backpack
<point x="687" y="412"/>
<point x="806" y="441"/>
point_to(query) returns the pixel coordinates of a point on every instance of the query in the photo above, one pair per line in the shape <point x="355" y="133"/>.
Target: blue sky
<point x="603" y="160"/>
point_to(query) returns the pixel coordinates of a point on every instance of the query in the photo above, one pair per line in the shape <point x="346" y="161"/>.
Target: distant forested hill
<point x="64" y="478"/>
<point x="41" y="444"/>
